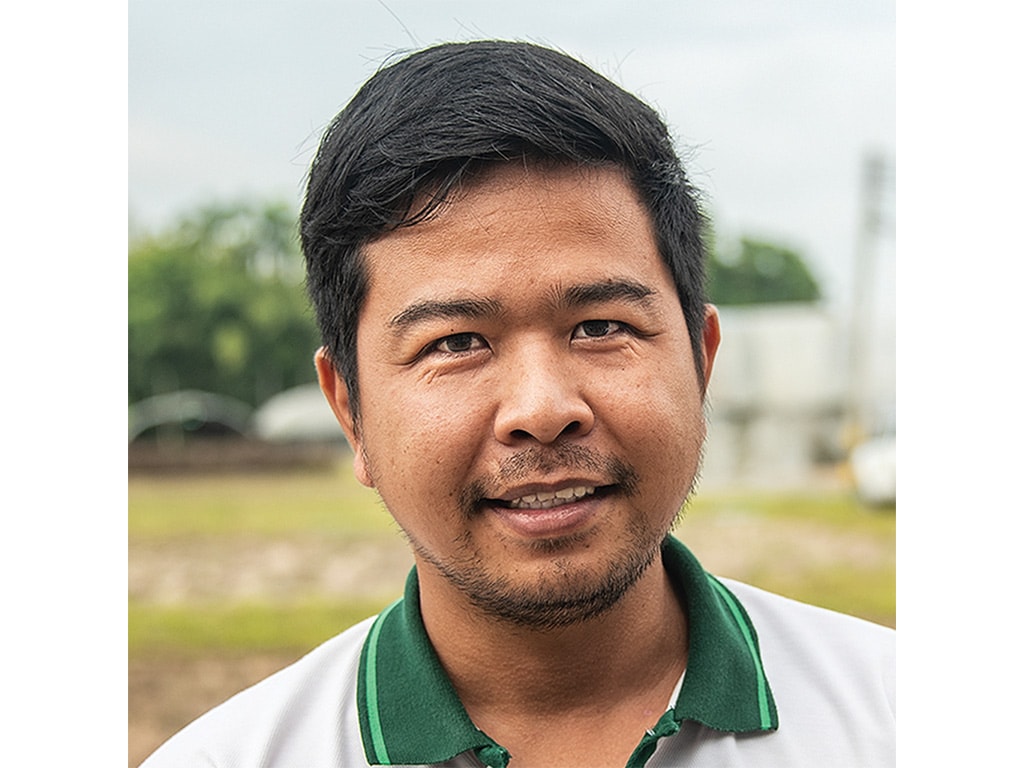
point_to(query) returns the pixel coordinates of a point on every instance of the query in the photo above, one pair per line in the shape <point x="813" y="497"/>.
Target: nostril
<point x="542" y="416"/>
<point x="569" y="429"/>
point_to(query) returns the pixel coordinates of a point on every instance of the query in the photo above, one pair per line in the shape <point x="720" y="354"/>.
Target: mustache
<point x="537" y="460"/>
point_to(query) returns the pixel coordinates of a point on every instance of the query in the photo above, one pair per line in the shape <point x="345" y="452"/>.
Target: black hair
<point x="421" y="125"/>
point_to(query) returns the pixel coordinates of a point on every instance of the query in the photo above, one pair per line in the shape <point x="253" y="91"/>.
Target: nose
<point x="541" y="398"/>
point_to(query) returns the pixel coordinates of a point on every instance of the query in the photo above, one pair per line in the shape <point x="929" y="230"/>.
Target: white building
<point x="781" y="392"/>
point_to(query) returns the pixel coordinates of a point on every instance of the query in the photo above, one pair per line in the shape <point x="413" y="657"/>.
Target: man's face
<point x="530" y="408"/>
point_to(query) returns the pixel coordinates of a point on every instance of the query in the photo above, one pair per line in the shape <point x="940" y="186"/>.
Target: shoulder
<point x="783" y="623"/>
<point x="833" y="676"/>
<point x="280" y="714"/>
<point x="776" y="605"/>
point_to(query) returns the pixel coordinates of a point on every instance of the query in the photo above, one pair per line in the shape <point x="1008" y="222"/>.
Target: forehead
<point x="522" y="222"/>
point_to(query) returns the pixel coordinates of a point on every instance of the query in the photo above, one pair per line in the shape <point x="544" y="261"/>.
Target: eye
<point x="595" y="329"/>
<point x="459" y="343"/>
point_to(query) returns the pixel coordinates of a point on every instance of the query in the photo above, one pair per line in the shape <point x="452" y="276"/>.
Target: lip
<point x="560" y="520"/>
<point x="532" y="489"/>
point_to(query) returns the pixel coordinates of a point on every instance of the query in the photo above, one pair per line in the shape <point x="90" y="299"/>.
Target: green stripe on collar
<point x="409" y="712"/>
<point x="725" y="686"/>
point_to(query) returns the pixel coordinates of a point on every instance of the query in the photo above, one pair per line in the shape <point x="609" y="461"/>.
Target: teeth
<point x="547" y="499"/>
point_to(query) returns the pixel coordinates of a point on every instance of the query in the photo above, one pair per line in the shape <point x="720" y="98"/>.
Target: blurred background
<point x="249" y="540"/>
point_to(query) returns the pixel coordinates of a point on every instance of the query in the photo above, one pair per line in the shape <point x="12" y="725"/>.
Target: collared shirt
<point x="378" y="695"/>
<point x="402" y="685"/>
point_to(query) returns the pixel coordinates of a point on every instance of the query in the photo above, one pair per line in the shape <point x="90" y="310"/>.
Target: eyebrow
<point x="610" y="290"/>
<point x="573" y="297"/>
<point x="433" y="309"/>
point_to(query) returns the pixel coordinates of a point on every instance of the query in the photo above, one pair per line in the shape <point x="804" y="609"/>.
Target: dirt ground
<point x="167" y="692"/>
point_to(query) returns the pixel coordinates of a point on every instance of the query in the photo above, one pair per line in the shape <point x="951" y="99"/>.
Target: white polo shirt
<point x="377" y="695"/>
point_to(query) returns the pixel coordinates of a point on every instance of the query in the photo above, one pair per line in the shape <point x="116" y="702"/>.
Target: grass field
<point x="233" y="576"/>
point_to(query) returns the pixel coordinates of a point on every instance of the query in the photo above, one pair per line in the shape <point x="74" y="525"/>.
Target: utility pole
<point x="862" y="310"/>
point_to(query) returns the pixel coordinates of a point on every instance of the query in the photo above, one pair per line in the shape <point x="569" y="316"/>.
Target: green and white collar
<point x="409" y="713"/>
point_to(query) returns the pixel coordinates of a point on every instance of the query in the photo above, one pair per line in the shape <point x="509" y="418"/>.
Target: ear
<point x="336" y="391"/>
<point x="711" y="337"/>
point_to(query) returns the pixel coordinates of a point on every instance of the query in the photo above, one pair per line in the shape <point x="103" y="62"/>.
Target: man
<point x="505" y="258"/>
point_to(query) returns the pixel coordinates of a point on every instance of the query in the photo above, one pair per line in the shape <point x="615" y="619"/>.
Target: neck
<point x="635" y="649"/>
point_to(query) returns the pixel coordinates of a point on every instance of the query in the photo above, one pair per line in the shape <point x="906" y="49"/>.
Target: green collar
<point x="409" y="712"/>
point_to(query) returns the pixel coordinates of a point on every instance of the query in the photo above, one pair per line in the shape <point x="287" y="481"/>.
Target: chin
<point x="560" y="592"/>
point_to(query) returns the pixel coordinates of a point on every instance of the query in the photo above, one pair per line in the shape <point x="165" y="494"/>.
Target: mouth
<point x="534" y="481"/>
<point x="536" y="499"/>
<point x="549" y="499"/>
<point x="548" y="511"/>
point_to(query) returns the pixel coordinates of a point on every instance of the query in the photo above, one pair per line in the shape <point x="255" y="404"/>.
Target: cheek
<point x="659" y="421"/>
<point x="665" y="398"/>
<point x="422" y="439"/>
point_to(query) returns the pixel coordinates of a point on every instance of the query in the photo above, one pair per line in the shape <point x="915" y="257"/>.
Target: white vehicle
<point x="873" y="463"/>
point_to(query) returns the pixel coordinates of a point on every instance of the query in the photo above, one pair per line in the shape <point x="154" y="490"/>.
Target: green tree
<point x="216" y="303"/>
<point x="757" y="272"/>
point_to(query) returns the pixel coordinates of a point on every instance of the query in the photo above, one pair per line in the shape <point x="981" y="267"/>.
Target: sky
<point x="774" y="105"/>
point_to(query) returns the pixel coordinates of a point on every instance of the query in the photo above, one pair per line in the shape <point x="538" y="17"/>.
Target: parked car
<point x="873" y="463"/>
